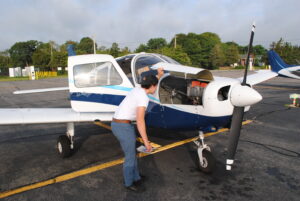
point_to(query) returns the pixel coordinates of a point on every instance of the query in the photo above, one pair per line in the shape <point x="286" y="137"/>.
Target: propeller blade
<point x="238" y="113"/>
<point x="234" y="135"/>
<point x="248" y="54"/>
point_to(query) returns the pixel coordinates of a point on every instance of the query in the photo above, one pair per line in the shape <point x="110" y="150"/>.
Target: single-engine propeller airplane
<point x="280" y="67"/>
<point x="187" y="98"/>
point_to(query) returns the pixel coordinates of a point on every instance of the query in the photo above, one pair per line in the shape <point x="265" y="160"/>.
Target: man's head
<point x="149" y="83"/>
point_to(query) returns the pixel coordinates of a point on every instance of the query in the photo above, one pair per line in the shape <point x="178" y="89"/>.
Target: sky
<point x="132" y="22"/>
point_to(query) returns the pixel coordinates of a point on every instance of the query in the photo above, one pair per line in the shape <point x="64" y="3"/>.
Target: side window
<point x="143" y="65"/>
<point x="96" y="74"/>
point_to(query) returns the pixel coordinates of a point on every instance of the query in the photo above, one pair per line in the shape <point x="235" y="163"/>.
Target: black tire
<point x="209" y="162"/>
<point x="64" y="146"/>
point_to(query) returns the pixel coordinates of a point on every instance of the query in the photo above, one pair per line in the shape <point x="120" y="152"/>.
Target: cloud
<point x="132" y="22"/>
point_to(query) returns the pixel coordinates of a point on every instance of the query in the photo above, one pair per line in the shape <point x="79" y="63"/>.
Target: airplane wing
<point x="199" y="72"/>
<point x="49" y="115"/>
<point x="259" y="76"/>
<point x="40" y="90"/>
<point x="177" y="68"/>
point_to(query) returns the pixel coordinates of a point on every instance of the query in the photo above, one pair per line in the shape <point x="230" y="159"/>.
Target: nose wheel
<point x="207" y="161"/>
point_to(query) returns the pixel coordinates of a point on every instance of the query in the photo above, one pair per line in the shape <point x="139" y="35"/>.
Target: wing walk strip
<point x="95" y="168"/>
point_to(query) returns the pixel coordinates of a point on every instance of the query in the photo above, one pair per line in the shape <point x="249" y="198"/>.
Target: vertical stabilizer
<point x="70" y="49"/>
<point x="276" y="62"/>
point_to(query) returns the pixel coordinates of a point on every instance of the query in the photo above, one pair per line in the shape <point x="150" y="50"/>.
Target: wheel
<point x="209" y="162"/>
<point x="64" y="146"/>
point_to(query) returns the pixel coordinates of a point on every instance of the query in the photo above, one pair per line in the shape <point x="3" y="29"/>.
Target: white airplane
<point x="280" y="67"/>
<point x="187" y="98"/>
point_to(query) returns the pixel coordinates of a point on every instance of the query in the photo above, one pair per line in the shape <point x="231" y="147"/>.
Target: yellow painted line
<point x="279" y="88"/>
<point x="99" y="123"/>
<point x="154" y="145"/>
<point x="95" y="168"/>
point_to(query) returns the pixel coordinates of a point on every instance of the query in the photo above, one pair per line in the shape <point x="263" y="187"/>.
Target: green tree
<point x="289" y="53"/>
<point x="41" y="59"/>
<point x="207" y="41"/>
<point x="5" y="60"/>
<point x="59" y="59"/>
<point x="142" y="48"/>
<point x="85" y="46"/>
<point x="156" y="43"/>
<point x="103" y="50"/>
<point x="259" y="50"/>
<point x="231" y="53"/>
<point x="177" y="54"/>
<point x="124" y="51"/>
<point x="217" y="57"/>
<point x="21" y="52"/>
<point x="191" y="46"/>
<point x="114" y="50"/>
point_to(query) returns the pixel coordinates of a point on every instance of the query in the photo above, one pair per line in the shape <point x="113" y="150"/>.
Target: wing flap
<point x="49" y="115"/>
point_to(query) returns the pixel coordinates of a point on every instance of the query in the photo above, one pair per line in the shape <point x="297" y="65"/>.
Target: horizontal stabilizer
<point x="41" y="90"/>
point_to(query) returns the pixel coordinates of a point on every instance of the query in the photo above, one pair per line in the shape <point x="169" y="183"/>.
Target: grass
<point x="8" y="79"/>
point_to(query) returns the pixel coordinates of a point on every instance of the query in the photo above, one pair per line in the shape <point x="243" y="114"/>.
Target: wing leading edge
<point x="49" y="115"/>
<point x="259" y="76"/>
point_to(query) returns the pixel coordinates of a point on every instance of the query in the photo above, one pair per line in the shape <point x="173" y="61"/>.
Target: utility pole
<point x="175" y="42"/>
<point x="94" y="44"/>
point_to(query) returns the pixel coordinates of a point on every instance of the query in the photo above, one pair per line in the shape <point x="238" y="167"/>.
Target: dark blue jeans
<point x="125" y="133"/>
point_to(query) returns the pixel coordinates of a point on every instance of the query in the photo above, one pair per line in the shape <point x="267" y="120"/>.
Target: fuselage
<point x="190" y="99"/>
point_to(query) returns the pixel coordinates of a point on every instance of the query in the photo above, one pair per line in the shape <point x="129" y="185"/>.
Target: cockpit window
<point x="223" y="93"/>
<point x="143" y="64"/>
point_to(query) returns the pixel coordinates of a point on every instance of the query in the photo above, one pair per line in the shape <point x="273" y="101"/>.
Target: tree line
<point x="203" y="50"/>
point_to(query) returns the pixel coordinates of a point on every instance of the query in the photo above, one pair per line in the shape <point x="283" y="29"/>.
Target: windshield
<point x="168" y="59"/>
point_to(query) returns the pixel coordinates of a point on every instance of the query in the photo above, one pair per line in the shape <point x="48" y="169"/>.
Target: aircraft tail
<point x="276" y="62"/>
<point x="70" y="49"/>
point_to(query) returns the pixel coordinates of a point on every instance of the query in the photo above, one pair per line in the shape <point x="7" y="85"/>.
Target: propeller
<point x="241" y="96"/>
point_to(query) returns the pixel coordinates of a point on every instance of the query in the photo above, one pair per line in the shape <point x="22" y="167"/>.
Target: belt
<point x="121" y="121"/>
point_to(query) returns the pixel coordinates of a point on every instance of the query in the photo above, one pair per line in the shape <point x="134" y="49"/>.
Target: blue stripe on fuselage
<point x="160" y="116"/>
<point x="97" y="98"/>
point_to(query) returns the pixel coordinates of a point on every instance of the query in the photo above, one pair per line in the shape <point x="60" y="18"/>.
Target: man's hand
<point x="148" y="146"/>
<point x="160" y="73"/>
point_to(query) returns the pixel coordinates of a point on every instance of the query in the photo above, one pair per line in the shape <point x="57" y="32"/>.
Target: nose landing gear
<point x="207" y="161"/>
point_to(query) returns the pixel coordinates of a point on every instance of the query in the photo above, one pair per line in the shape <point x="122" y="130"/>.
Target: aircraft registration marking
<point x="95" y="168"/>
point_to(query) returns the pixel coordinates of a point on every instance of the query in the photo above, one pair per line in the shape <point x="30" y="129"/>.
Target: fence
<point x="43" y="74"/>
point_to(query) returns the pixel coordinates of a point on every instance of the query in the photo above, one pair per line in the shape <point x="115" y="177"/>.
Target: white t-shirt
<point x="137" y="97"/>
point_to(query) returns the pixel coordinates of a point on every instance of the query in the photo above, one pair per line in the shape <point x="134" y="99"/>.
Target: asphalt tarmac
<point x="267" y="161"/>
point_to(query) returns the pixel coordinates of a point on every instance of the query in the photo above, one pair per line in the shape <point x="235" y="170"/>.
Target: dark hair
<point x="148" y="81"/>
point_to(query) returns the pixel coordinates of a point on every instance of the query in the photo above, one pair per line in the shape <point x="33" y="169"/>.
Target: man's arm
<point x="160" y="73"/>
<point x="141" y="126"/>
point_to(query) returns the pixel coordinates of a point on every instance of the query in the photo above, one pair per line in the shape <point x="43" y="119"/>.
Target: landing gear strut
<point x="65" y="143"/>
<point x="207" y="161"/>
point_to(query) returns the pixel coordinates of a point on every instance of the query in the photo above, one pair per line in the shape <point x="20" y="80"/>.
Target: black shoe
<point x="140" y="181"/>
<point x="135" y="188"/>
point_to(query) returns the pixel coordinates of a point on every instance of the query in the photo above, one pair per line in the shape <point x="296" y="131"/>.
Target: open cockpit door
<point x="96" y="82"/>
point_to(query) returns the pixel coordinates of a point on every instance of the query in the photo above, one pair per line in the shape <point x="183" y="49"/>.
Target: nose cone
<point x="242" y="96"/>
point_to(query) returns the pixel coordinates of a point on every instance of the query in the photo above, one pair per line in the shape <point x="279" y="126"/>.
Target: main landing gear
<point x="65" y="143"/>
<point x="207" y="161"/>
